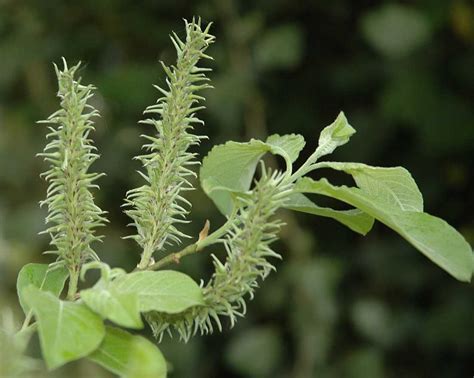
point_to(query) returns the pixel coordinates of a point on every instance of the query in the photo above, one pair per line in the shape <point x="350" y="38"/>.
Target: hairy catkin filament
<point x="248" y="248"/>
<point x="72" y="212"/>
<point x="157" y="207"/>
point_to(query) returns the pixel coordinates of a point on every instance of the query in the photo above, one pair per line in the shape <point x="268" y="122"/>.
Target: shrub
<point x="242" y="187"/>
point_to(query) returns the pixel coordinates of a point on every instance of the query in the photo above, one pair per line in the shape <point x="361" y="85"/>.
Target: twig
<point x="26" y="323"/>
<point x="175" y="257"/>
<point x="203" y="241"/>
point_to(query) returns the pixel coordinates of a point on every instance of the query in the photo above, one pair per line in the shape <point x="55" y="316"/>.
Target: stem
<point x="221" y="231"/>
<point x="175" y="257"/>
<point x="307" y="167"/>
<point x="195" y="247"/>
<point x="73" y="280"/>
<point x="146" y="257"/>
<point x="26" y="323"/>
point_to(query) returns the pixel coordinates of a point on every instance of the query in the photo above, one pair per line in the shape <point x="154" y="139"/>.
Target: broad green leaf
<point x="289" y="146"/>
<point x="436" y="239"/>
<point x="336" y="134"/>
<point x="39" y="276"/>
<point x="120" y="307"/>
<point x="145" y="360"/>
<point x="163" y="291"/>
<point x="355" y="219"/>
<point x="439" y="241"/>
<point x="394" y="185"/>
<point x="128" y="355"/>
<point x="230" y="167"/>
<point x="67" y="330"/>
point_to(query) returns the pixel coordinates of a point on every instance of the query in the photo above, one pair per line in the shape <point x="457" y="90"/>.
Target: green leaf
<point x="122" y="299"/>
<point x="432" y="236"/>
<point x="67" y="330"/>
<point x="163" y="291"/>
<point x="145" y="360"/>
<point x="128" y="355"/>
<point x="230" y="167"/>
<point x="336" y="134"/>
<point x="120" y="307"/>
<point x="289" y="146"/>
<point x="439" y="241"/>
<point x="227" y="171"/>
<point x="42" y="277"/>
<point x="356" y="220"/>
<point x="394" y="185"/>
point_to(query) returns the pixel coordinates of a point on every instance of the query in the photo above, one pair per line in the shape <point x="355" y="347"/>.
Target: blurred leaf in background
<point x="256" y="352"/>
<point x="396" y="30"/>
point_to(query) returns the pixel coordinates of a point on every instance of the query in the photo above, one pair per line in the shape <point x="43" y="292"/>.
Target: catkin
<point x="248" y="249"/>
<point x="158" y="207"/>
<point x="72" y="213"/>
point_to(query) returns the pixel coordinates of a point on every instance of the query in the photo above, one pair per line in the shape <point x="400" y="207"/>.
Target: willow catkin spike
<point x="234" y="281"/>
<point x="153" y="207"/>
<point x="71" y="208"/>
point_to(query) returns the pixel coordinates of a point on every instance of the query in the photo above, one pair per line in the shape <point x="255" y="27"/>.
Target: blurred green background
<point x="340" y="305"/>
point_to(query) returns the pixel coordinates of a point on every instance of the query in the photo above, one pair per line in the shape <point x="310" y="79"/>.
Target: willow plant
<point x="74" y="327"/>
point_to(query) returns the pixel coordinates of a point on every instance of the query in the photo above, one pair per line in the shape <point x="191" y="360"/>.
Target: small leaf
<point x="128" y="355"/>
<point x="356" y="220"/>
<point x="394" y="185"/>
<point x="163" y="291"/>
<point x="230" y="167"/>
<point x="42" y="277"/>
<point x="120" y="307"/>
<point x="432" y="236"/>
<point x="289" y="146"/>
<point x="67" y="331"/>
<point x="336" y="134"/>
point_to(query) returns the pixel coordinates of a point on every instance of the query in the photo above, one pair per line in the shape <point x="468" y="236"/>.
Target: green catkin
<point x="248" y="248"/>
<point x="72" y="212"/>
<point x="157" y="207"/>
